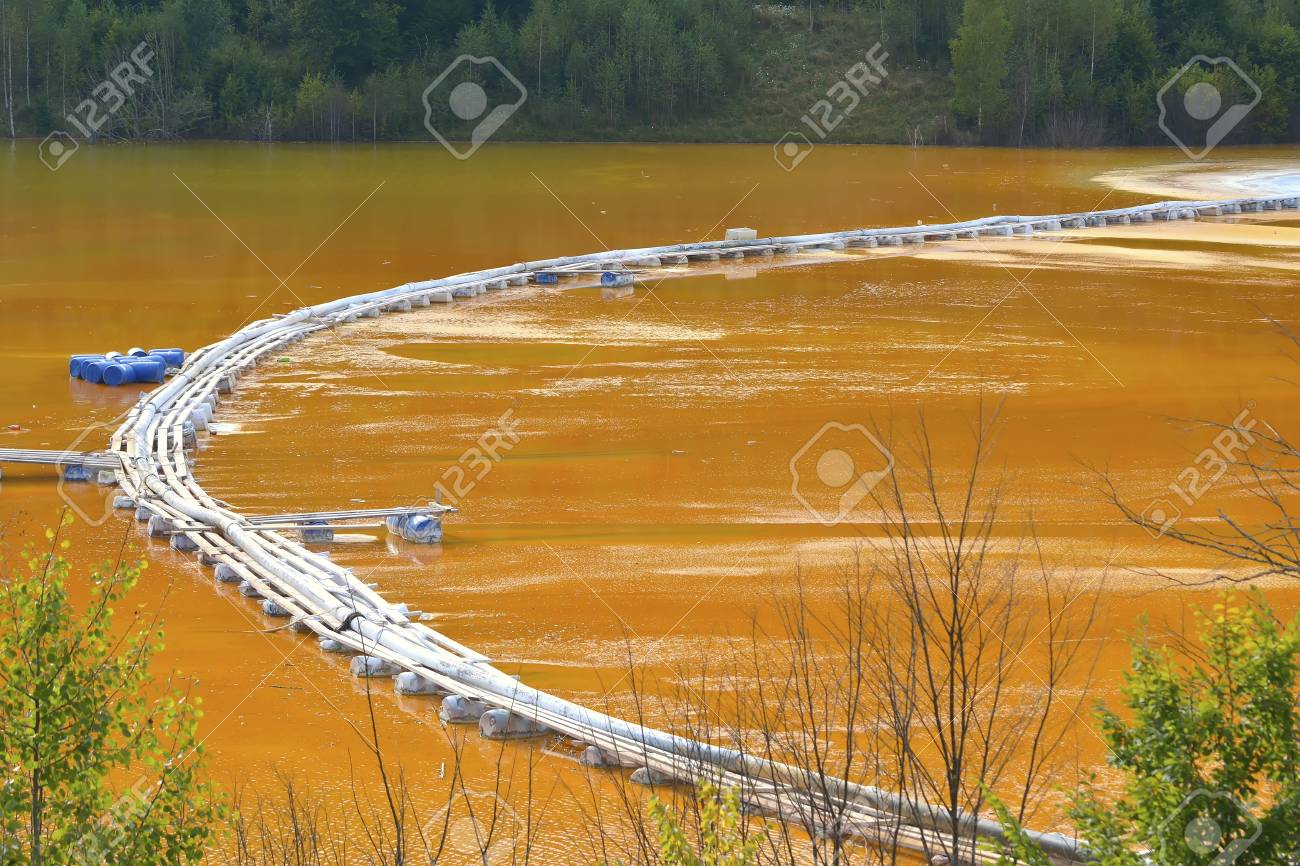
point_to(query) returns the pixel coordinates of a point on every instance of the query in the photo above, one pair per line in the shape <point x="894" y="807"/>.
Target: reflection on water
<point x="647" y="511"/>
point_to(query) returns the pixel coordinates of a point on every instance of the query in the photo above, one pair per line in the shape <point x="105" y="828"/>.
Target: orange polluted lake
<point x="647" y="511"/>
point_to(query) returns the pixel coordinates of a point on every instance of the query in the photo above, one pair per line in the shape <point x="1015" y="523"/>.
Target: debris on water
<point x="282" y="360"/>
<point x="677" y="451"/>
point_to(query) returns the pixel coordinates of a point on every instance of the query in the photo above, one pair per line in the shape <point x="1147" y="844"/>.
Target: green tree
<point x="97" y="771"/>
<point x="1208" y="750"/>
<point x="979" y="62"/>
<point x="354" y="37"/>
<point x="722" y="840"/>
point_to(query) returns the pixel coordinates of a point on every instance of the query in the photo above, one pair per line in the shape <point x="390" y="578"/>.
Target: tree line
<point x="1003" y="71"/>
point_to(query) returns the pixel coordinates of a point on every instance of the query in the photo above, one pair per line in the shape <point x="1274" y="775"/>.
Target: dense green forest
<point x="1054" y="72"/>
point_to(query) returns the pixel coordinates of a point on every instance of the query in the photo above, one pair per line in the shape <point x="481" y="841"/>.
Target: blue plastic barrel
<point x="93" y="371"/>
<point x="118" y="374"/>
<point x="175" y="357"/>
<point x="610" y="279"/>
<point x="422" y="529"/>
<point x="547" y="279"/>
<point x="152" y="369"/>
<point x="75" y="362"/>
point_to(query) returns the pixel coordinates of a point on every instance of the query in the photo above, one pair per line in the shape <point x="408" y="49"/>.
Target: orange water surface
<point x="650" y="507"/>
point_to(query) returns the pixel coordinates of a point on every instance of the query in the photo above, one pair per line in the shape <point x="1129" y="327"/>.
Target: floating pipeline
<point x="348" y="615"/>
<point x="137" y="366"/>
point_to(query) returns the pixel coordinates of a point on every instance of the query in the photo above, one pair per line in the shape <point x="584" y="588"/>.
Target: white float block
<point x="106" y="477"/>
<point x="674" y="260"/>
<point x="299" y="626"/>
<point x="595" y="756"/>
<point x="504" y="725"/>
<point x="182" y="542"/>
<point x="331" y="645"/>
<point x="271" y="607"/>
<point x="651" y="776"/>
<point x="226" y="573"/>
<point x="247" y="590"/>
<point x="206" y="558"/>
<point x="459" y="710"/>
<point x="411" y="683"/>
<point x="159" y="526"/>
<point x="370" y="666"/>
<point x="742" y="234"/>
<point x="440" y="298"/>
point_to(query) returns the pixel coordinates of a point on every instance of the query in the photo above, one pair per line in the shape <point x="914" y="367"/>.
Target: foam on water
<point x="1227" y="179"/>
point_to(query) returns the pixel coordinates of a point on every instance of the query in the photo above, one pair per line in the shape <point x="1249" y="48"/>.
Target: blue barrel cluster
<point x="135" y="367"/>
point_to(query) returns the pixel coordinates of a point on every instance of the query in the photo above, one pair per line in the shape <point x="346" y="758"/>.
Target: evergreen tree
<point x="979" y="62"/>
